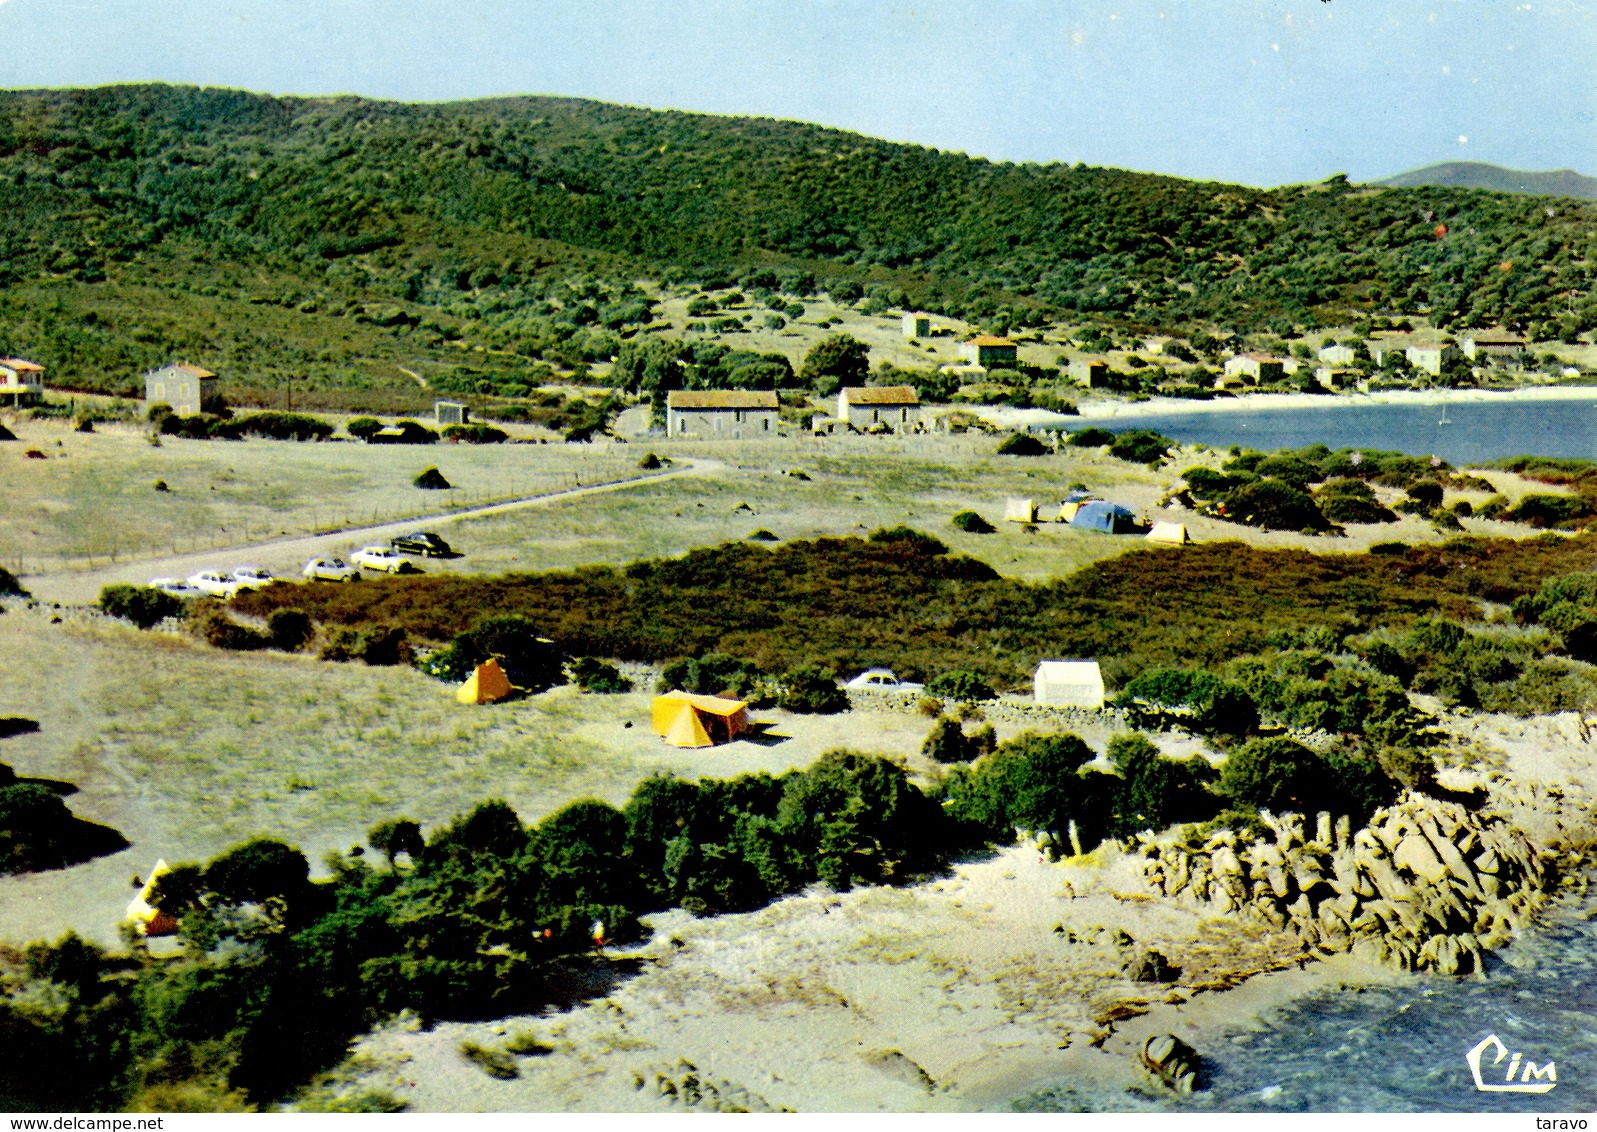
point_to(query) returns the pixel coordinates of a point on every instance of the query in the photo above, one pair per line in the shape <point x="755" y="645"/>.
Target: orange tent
<point x="487" y="684"/>
<point x="683" y="719"/>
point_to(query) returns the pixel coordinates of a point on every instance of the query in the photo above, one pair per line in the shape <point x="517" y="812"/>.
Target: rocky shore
<point x="1428" y="884"/>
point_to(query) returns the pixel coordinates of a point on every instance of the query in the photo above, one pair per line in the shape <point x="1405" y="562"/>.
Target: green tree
<point x="838" y="359"/>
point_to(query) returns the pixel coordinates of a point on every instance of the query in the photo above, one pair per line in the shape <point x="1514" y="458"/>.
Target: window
<point x="765" y="423"/>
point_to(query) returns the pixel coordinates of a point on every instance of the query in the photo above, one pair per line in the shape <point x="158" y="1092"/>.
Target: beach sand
<point x="957" y="994"/>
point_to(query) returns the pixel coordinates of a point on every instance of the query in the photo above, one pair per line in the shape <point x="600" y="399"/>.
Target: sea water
<point x="1477" y="430"/>
<point x="1397" y="1048"/>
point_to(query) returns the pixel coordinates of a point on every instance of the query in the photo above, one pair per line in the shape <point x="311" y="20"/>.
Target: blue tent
<point x="1111" y="518"/>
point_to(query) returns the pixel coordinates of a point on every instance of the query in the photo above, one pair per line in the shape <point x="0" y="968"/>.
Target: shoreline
<point x="1095" y="411"/>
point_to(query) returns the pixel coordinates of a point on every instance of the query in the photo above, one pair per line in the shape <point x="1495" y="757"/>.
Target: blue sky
<point x="1259" y="93"/>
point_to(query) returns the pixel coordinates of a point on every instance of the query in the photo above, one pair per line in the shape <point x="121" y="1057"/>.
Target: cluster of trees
<point x="226" y="426"/>
<point x="1277" y="491"/>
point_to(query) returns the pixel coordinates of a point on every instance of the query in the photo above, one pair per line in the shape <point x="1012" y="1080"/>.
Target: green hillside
<point x="1479" y="175"/>
<point x="318" y="249"/>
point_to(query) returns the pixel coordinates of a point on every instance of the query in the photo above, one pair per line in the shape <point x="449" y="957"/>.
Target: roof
<point x="880" y="395"/>
<point x="1070" y="671"/>
<point x="187" y="370"/>
<point x="1261" y="357"/>
<point x="991" y="340"/>
<point x="21" y="365"/>
<point x="721" y="399"/>
<point x="710" y="705"/>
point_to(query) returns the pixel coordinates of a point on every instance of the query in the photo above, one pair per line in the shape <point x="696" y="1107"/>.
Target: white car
<point x="254" y="577"/>
<point x="177" y="587"/>
<point x="215" y="583"/>
<point x="331" y="570"/>
<point x="379" y="558"/>
<point x="882" y="678"/>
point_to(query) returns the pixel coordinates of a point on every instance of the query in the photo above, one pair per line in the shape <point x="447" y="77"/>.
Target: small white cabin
<point x="1069" y="683"/>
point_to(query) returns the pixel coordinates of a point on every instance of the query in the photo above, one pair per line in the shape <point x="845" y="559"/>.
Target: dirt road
<point x="285" y="557"/>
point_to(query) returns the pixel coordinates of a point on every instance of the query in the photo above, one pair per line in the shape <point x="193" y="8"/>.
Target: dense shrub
<point x="362" y="428"/>
<point x="431" y="479"/>
<point x="947" y="742"/>
<point x="712" y="674"/>
<point x="593" y="675"/>
<point x="1274" y="505"/>
<point x="812" y="690"/>
<point x="1140" y="446"/>
<point x="972" y="523"/>
<point x="1345" y="500"/>
<point x="1022" y="444"/>
<point x="475" y="434"/>
<point x="1156" y="792"/>
<point x="289" y="629"/>
<point x="1091" y="438"/>
<point x="282" y="426"/>
<point x="1205" y="483"/>
<point x="217" y="629"/>
<point x="960" y="686"/>
<point x="530" y="660"/>
<point x="377" y="645"/>
<point x="142" y="605"/>
<point x="410" y="432"/>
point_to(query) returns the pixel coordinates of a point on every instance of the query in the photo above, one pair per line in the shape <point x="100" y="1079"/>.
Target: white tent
<point x="1020" y="510"/>
<point x="1069" y="683"/>
<point x="1173" y="534"/>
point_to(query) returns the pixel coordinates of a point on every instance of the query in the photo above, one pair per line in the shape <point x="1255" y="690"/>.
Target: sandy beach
<point x="1098" y="408"/>
<point x="958" y="994"/>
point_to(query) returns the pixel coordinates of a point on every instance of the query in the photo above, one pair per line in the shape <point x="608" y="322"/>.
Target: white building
<point x="1069" y="683"/>
<point x="21" y="382"/>
<point x="722" y="414"/>
<point x="861" y="406"/>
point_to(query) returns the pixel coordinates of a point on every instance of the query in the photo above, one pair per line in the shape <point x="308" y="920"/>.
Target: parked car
<point x="177" y="587"/>
<point x="379" y="558"/>
<point x="215" y="583"/>
<point x="254" y="577"/>
<point x="424" y="543"/>
<point x="882" y="678"/>
<point x="331" y="570"/>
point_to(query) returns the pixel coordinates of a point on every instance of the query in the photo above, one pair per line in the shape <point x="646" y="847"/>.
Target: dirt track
<point x="286" y="556"/>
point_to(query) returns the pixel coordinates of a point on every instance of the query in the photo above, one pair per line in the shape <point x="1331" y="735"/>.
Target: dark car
<point x="424" y="543"/>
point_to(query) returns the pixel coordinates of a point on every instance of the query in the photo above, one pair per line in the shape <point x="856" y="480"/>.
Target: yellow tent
<point x="151" y="922"/>
<point x="686" y="720"/>
<point x="1174" y="534"/>
<point x="487" y="684"/>
<point x="1020" y="510"/>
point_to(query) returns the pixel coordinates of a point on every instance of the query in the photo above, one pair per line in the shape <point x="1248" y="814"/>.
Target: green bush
<point x="376" y="645"/>
<point x="1345" y="500"/>
<point x="593" y="675"/>
<point x="431" y="479"/>
<point x="972" y="523"/>
<point x="712" y="674"/>
<point x="960" y="686"/>
<point x="1022" y="444"/>
<point x="531" y="661"/>
<point x="475" y="434"/>
<point x="1140" y="446"/>
<point x="812" y="690"/>
<point x="1274" y="505"/>
<point x="217" y="629"/>
<point x="1091" y="438"/>
<point x="289" y="629"/>
<point x="143" y="605"/>
<point x="1205" y="483"/>
<point x="9" y="586"/>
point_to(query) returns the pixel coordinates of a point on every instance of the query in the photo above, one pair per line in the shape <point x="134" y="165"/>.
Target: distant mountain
<point x="1479" y="175"/>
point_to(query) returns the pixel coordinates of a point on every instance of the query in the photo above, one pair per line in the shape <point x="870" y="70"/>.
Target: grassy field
<point x="93" y="496"/>
<point x="188" y="750"/>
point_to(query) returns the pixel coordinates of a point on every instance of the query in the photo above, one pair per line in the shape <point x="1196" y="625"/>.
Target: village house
<point x="1091" y="373"/>
<point x="184" y="387"/>
<point x="1486" y="344"/>
<point x="1255" y="369"/>
<point x="722" y="414"/>
<point x="1337" y="377"/>
<point x="1431" y="356"/>
<point x="1337" y="355"/>
<point x="917" y="325"/>
<point x="862" y="406"/>
<point x="450" y="412"/>
<point x="986" y="350"/>
<point x="21" y="382"/>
